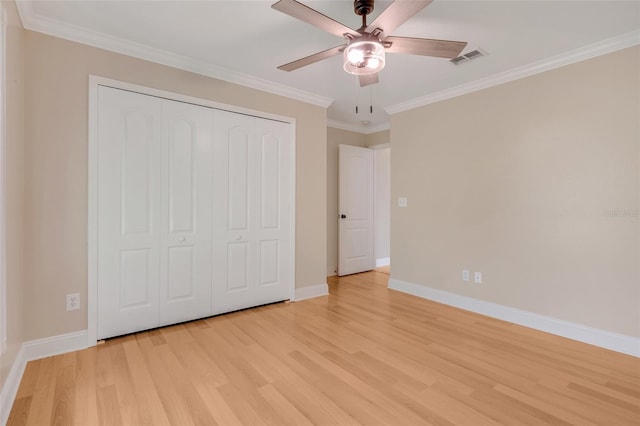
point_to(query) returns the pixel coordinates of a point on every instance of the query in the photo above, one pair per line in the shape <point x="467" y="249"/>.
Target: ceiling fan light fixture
<point x="364" y="57"/>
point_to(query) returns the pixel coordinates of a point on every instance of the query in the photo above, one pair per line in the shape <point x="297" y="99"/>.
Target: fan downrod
<point x="363" y="8"/>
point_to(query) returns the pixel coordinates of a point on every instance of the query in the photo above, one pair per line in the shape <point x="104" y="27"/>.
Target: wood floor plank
<point x="29" y="383"/>
<point x="42" y="397"/>
<point x="150" y="409"/>
<point x="248" y="412"/>
<point x="315" y="405"/>
<point x="125" y="393"/>
<point x="364" y="355"/>
<point x="220" y="410"/>
<point x="20" y="411"/>
<point x="327" y="379"/>
<point x="86" y="403"/>
<point x="108" y="408"/>
<point x="456" y="411"/>
<point x="177" y="392"/>
<point x="64" y="392"/>
<point x="289" y="413"/>
<point x="562" y="413"/>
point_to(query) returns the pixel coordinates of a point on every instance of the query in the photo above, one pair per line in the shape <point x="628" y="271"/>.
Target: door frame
<point x="92" y="174"/>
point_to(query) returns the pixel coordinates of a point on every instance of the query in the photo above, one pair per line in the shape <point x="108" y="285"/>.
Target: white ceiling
<point x="244" y="41"/>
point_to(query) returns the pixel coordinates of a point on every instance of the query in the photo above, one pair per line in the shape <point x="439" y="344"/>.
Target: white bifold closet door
<point x="251" y="238"/>
<point x="193" y="211"/>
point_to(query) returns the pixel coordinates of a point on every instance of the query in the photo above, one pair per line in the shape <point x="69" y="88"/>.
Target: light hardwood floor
<point x="384" y="269"/>
<point x="363" y="355"/>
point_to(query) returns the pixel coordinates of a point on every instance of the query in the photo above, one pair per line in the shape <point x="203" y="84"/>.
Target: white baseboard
<point x="55" y="345"/>
<point x="383" y="261"/>
<point x="11" y="385"/>
<point x="593" y="336"/>
<point x="30" y="351"/>
<point x="311" y="292"/>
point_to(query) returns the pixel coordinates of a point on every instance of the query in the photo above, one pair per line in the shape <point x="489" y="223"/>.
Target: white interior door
<point x="251" y="218"/>
<point x="129" y="127"/>
<point x="355" y="209"/>
<point x="185" y="260"/>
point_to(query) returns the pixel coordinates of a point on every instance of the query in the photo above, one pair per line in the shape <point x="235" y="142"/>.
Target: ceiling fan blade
<point x="316" y="57"/>
<point x="396" y="14"/>
<point x="366" y="80"/>
<point x="425" y="47"/>
<point x="313" y="17"/>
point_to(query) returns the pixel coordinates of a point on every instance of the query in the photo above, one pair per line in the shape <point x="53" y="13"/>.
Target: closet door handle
<point x="239" y="238"/>
<point x="182" y="239"/>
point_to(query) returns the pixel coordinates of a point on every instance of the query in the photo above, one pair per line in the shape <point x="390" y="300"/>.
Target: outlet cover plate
<point x="73" y="301"/>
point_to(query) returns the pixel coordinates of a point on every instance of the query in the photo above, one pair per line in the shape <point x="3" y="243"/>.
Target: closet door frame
<point x="92" y="167"/>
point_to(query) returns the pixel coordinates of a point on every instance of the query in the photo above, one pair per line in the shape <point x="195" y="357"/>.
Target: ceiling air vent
<point x="459" y="59"/>
<point x="469" y="56"/>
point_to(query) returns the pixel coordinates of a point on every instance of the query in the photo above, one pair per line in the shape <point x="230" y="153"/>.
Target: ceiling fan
<point x="364" y="52"/>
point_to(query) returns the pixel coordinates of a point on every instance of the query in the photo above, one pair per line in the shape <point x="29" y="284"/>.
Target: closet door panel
<point x="273" y="223"/>
<point x="270" y="181"/>
<point x="234" y="248"/>
<point x="135" y="279"/>
<point x="269" y="272"/>
<point x="237" y="146"/>
<point x="181" y="174"/>
<point x="185" y="285"/>
<point x="135" y="172"/>
<point x="180" y="279"/>
<point x="237" y="267"/>
<point x="128" y="211"/>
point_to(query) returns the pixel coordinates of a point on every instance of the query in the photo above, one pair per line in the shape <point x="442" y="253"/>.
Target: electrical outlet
<point x="477" y="278"/>
<point x="73" y="301"/>
<point x="465" y="275"/>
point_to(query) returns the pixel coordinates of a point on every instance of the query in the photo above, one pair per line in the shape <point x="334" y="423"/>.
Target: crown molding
<point x="573" y="56"/>
<point x="34" y="22"/>
<point x="358" y="128"/>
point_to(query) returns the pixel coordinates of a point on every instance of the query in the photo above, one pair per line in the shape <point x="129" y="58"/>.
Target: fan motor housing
<point x="363" y="7"/>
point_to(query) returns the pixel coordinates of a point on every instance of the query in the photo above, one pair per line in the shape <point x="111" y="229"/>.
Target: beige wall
<point x="57" y="73"/>
<point x="14" y="186"/>
<point x="535" y="183"/>
<point x="378" y="138"/>
<point x="336" y="137"/>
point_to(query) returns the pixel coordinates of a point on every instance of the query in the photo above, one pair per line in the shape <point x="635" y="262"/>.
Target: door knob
<point x="182" y="239"/>
<point x="343" y="216"/>
<point x="239" y="237"/>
